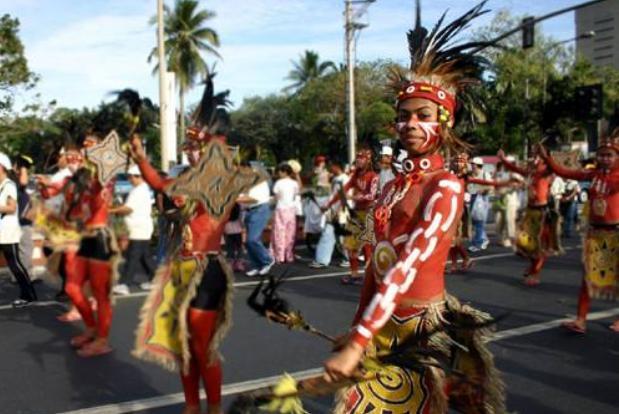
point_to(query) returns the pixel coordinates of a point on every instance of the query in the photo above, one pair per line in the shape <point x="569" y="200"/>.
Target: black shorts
<point x="97" y="247"/>
<point x="212" y="289"/>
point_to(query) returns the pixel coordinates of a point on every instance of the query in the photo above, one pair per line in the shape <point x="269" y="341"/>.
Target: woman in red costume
<point x="601" y="247"/>
<point x="187" y="312"/>
<point x="460" y="167"/>
<point x="364" y="186"/>
<point x="88" y="203"/>
<point x="538" y="234"/>
<point x="415" y="219"/>
<point x="54" y="222"/>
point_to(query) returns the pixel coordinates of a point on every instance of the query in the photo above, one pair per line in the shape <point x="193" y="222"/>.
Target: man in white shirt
<point x="137" y="214"/>
<point x="386" y="170"/>
<point x="257" y="215"/>
<point x="479" y="212"/>
<point x="335" y="215"/>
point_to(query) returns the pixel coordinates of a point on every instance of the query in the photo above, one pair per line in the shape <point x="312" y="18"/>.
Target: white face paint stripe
<point x="400" y="239"/>
<point x="452" y="185"/>
<point x="380" y="322"/>
<point x="414" y="236"/>
<point x="452" y="214"/>
<point x="429" y="250"/>
<point x="427" y="213"/>
<point x="433" y="226"/>
<point x="363" y="331"/>
<point x="410" y="278"/>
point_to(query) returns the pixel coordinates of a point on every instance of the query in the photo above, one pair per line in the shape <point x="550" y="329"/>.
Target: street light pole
<point x="163" y="90"/>
<point x="351" y="27"/>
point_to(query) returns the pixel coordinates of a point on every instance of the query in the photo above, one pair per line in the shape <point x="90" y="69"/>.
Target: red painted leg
<point x="202" y="326"/>
<point x="74" y="288"/>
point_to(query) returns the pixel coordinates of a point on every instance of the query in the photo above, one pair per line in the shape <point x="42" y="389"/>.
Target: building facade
<point x="603" y="19"/>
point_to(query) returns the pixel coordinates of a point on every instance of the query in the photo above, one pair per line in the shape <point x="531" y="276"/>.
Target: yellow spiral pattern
<point x="384" y="258"/>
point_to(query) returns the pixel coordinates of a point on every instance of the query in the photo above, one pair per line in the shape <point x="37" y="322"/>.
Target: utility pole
<point x="350" y="89"/>
<point x="351" y="27"/>
<point x="163" y="91"/>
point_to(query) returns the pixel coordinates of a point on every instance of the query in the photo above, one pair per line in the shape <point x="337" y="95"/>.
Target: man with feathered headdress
<point x="187" y="313"/>
<point x="601" y="247"/>
<point x="404" y="309"/>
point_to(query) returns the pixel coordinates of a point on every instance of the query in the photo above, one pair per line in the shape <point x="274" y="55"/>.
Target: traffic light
<point x="589" y="102"/>
<point x="528" y="32"/>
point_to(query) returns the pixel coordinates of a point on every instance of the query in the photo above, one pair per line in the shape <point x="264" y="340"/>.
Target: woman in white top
<point x="283" y="233"/>
<point x="10" y="234"/>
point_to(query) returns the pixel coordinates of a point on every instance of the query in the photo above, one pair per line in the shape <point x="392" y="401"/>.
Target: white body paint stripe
<point x="452" y="214"/>
<point x="427" y="213"/>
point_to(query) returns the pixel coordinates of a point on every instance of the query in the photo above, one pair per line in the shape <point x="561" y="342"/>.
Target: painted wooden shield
<point x="216" y="181"/>
<point x="108" y="157"/>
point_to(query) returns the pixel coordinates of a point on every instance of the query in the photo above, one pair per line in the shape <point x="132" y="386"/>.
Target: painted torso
<point x="604" y="197"/>
<point x="539" y="188"/>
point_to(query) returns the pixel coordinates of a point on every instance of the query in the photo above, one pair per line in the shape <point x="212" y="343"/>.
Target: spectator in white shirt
<point x="283" y="233"/>
<point x="137" y="214"/>
<point x="10" y="234"/>
<point x="386" y="170"/>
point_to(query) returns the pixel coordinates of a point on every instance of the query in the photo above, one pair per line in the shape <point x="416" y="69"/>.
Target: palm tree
<point x="309" y="67"/>
<point x="186" y="38"/>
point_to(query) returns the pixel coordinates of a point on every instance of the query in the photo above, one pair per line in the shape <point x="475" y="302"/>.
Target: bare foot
<point x="95" y="348"/>
<point x="81" y="340"/>
<point x="576" y="326"/>
<point x="531" y="281"/>
<point x="191" y="409"/>
<point x="214" y="409"/>
<point x="70" y="316"/>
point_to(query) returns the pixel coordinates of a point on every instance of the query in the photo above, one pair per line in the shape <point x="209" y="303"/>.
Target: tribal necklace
<point x="413" y="171"/>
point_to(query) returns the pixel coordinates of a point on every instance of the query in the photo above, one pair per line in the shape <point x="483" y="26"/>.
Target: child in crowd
<point x="233" y="235"/>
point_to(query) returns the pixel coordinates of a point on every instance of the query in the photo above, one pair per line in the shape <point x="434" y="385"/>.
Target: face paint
<point x="430" y="129"/>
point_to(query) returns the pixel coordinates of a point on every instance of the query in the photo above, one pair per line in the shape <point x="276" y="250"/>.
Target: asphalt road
<point x="546" y="369"/>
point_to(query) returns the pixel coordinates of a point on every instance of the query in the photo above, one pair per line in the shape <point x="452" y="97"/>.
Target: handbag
<point x="480" y="207"/>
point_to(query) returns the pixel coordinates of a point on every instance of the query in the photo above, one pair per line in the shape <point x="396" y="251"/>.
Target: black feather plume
<point x="436" y="54"/>
<point x="211" y="114"/>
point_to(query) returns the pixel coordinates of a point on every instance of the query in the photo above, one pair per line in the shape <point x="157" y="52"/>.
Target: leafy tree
<point x="308" y="67"/>
<point x="14" y="70"/>
<point x="187" y="38"/>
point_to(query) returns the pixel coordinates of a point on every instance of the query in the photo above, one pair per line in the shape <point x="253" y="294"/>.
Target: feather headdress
<point x="440" y="69"/>
<point x="211" y="117"/>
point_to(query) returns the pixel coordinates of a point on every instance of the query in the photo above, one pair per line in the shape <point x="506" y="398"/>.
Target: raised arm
<point x="150" y="175"/>
<point x="510" y="165"/>
<point x="440" y="212"/>
<point x="574" y="174"/>
<point x="51" y="189"/>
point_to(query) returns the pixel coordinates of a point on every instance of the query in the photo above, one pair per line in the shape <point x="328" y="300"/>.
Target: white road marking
<point x="245" y="386"/>
<point x="177" y="398"/>
<point x="290" y="279"/>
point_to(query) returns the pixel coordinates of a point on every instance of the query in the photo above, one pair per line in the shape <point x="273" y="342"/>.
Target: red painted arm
<point x="337" y="195"/>
<point x="53" y="189"/>
<point x="439" y="215"/>
<point x="152" y="177"/>
<point x="513" y="167"/>
<point x="492" y="183"/>
<point x="579" y="175"/>
<point x="367" y="293"/>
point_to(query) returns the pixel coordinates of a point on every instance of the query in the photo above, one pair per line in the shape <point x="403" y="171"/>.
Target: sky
<point x="84" y="49"/>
